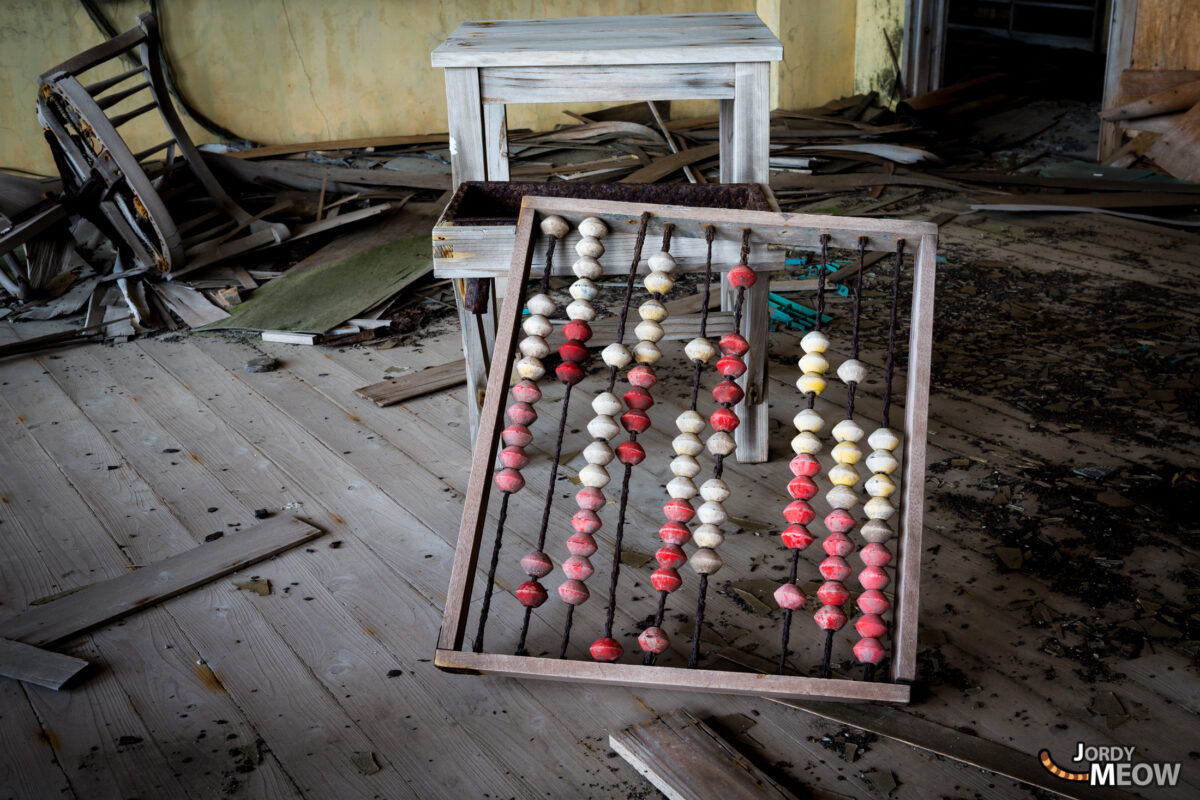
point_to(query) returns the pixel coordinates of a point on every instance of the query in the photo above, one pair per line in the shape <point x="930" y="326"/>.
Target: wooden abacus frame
<point x="767" y="228"/>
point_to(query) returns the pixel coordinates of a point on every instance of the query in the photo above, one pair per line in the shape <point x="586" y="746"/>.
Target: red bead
<point x="728" y="392"/>
<point x="635" y="421"/>
<point x="509" y="480"/>
<point x="837" y="544"/>
<point x="569" y="373"/>
<point x="839" y="520"/>
<point x="829" y="618"/>
<point x="734" y="344"/>
<point x="790" y="597"/>
<point x="742" y="276"/>
<point x="670" y="556"/>
<point x="869" y="651"/>
<point x="581" y="544"/>
<point x="805" y="464"/>
<point x="578" y="330"/>
<point x="796" y="537"/>
<point x="723" y="419"/>
<point x="675" y="533"/>
<point x="630" y="453"/>
<point x="799" y="512"/>
<point x="870" y="626"/>
<point x="665" y="579"/>
<point x="536" y="564"/>
<point x="531" y="594"/>
<point x="589" y="498"/>
<point x="513" y="457"/>
<point x="585" y="522"/>
<point x="678" y="510"/>
<point x="654" y="640"/>
<point x="873" y="601"/>
<point x="526" y="391"/>
<point x="876" y="554"/>
<point x="521" y="413"/>
<point x="834" y="568"/>
<point x="606" y="649"/>
<point x="638" y="398"/>
<point x="832" y="593"/>
<point x="573" y="592"/>
<point x="572" y="350"/>
<point x="873" y="578"/>
<point x="516" y="435"/>
<point x="642" y="376"/>
<point x="578" y="568"/>
<point x="802" y="488"/>
<point x="731" y="366"/>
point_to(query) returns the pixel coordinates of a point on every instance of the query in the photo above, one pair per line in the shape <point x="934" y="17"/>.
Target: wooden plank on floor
<point x="415" y="384"/>
<point x="40" y="667"/>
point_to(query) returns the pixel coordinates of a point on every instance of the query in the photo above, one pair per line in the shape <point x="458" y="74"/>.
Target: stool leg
<point x="479" y="337"/>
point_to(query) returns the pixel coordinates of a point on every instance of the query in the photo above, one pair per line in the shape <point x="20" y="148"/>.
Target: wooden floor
<point x="117" y="456"/>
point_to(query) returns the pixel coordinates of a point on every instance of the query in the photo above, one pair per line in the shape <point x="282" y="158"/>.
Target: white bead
<point x="603" y="427"/>
<point x="681" y="488"/>
<point x="807" y="419"/>
<point x="658" y="282"/>
<point x="607" y="404"/>
<point x="685" y="466"/>
<point x="530" y="368"/>
<point x="581" y="309"/>
<point x="662" y="261"/>
<point x="589" y="246"/>
<point x="700" y="350"/>
<point x="852" y="371"/>
<point x="555" y="226"/>
<point x="846" y="453"/>
<point x="646" y="353"/>
<point x="876" y="530"/>
<point x="712" y="513"/>
<point x="594" y="475"/>
<point x="843" y="475"/>
<point x="690" y="422"/>
<point x="652" y="310"/>
<point x="540" y="304"/>
<point x="806" y="442"/>
<point x="705" y="561"/>
<point x="815" y="342"/>
<point x="687" y="444"/>
<point x="814" y="362"/>
<point x="811" y="382"/>
<point x="587" y="267"/>
<point x="879" y="508"/>
<point x="721" y="444"/>
<point x="848" y="431"/>
<point x="880" y="485"/>
<point x="715" y="490"/>
<point x="534" y="346"/>
<point x="884" y="439"/>
<point x="584" y="289"/>
<point x="594" y="227"/>
<point x="649" y="331"/>
<point x="598" y="453"/>
<point x="708" y="536"/>
<point x="883" y="461"/>
<point x="616" y="355"/>
<point x="842" y="497"/>
<point x="537" y="325"/>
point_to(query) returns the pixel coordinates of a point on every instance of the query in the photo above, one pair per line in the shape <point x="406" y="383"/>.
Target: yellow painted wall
<point x="873" y="66"/>
<point x="301" y="70"/>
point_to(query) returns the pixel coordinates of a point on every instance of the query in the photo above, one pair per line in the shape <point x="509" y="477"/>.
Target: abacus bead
<point x="708" y="535"/>
<point x="516" y="435"/>
<point x="616" y="355"/>
<point x="603" y="426"/>
<point x="681" y="487"/>
<point x="790" y="597"/>
<point x="806" y="443"/>
<point x="635" y="421"/>
<point x="555" y="226"/>
<point x="630" y="453"/>
<point x="873" y="601"/>
<point x="534" y="346"/>
<point x="829" y="618"/>
<point x="678" y="510"/>
<point x="585" y="522"/>
<point x="880" y="485"/>
<point x="875" y="554"/>
<point x="541" y="305"/>
<point x="852" y="371"/>
<point x="699" y="350"/>
<point x="536" y="564"/>
<point x="654" y="640"/>
<point x="846" y="453"/>
<point x="670" y="556"/>
<point x="638" y="398"/>
<point x="847" y="431"/>
<point x="842" y="497"/>
<point x="715" y="490"/>
<point x="583" y="289"/>
<point x="589" y="246"/>
<point x="594" y="475"/>
<point x="832" y="593"/>
<point x="581" y="310"/>
<point x="876" y="530"/>
<point x="705" y="561"/>
<point x="837" y="544"/>
<point x="662" y="261"/>
<point x="521" y="413"/>
<point x="537" y="325"/>
<point x="742" y="276"/>
<point x="870" y="626"/>
<point x="606" y="649"/>
<point x="723" y="419"/>
<point x="843" y="475"/>
<point x="573" y="592"/>
<point x="587" y="267"/>
<point x="796" y="537"/>
<point x="687" y="444"/>
<point x="598" y="453"/>
<point x="839" y="521"/>
<point x="607" y="404"/>
<point x="675" y="533"/>
<point x="590" y="498"/>
<point x="666" y="579"/>
<point x="811" y="382"/>
<point x="711" y="513"/>
<point x="652" y="310"/>
<point x="657" y="282"/>
<point x="813" y="362"/>
<point x="569" y="372"/>
<point x="530" y="369"/>
<point x="799" y="512"/>
<point x="884" y="439"/>
<point x="734" y="344"/>
<point x="802" y="488"/>
<point x="647" y="353"/>
<point x="728" y="393"/>
<point x="834" y="568"/>
<point x="642" y="376"/>
<point x="873" y="578"/>
<point x="815" y="342"/>
<point x="690" y="422"/>
<point x="531" y="594"/>
<point x="731" y="366"/>
<point x="578" y="568"/>
<point x="721" y="444"/>
<point x="581" y="544"/>
<point x="882" y="461"/>
<point x="807" y="419"/>
<point x="805" y="464"/>
<point x="649" y="331"/>
<point x="594" y="227"/>
<point x="513" y="457"/>
<point x="869" y="651"/>
<point x="879" y="508"/>
<point x="685" y="466"/>
<point x="526" y="392"/>
<point x="509" y="480"/>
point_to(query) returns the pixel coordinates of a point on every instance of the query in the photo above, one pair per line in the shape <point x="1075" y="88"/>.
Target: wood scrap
<point x="289" y="337"/>
<point x="275" y="150"/>
<point x="1177" y="98"/>
<point x="922" y="106"/>
<point x="1045" y="207"/>
<point x="662" y="167"/>
<point x="425" y="381"/>
<point x="308" y="176"/>
<point x="1178" y="151"/>
<point x="1157" y="124"/>
<point x="188" y="304"/>
<point x="23" y="346"/>
<point x="1091" y="184"/>
<point x="1135" y="84"/>
<point x="693" y="176"/>
<point x="899" y="153"/>
<point x="40" y="667"/>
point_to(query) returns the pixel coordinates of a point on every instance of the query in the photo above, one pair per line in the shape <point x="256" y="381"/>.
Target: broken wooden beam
<point x="1178" y="151"/>
<point x="24" y="662"/>
<point x="425" y="381"/>
<point x="1177" y="98"/>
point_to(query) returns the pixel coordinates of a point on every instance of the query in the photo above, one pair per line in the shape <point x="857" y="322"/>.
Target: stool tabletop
<point x="630" y="40"/>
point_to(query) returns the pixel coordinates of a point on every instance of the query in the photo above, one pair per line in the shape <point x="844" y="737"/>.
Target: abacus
<point x="583" y="518"/>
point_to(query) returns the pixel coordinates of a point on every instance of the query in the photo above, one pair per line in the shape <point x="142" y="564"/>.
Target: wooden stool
<point x="725" y="57"/>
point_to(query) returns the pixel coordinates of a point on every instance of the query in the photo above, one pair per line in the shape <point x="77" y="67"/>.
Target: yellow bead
<point x="847" y="431"/>
<point x="814" y="362"/>
<point x="646" y="353"/>
<point x="880" y="485"/>
<point x="879" y="508"/>
<point x="658" y="282"/>
<point x="653" y="311"/>
<point x="843" y="475"/>
<point x="530" y="368"/>
<point x="846" y="453"/>
<point x="811" y="382"/>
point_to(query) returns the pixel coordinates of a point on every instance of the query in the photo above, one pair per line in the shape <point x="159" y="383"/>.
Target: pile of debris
<point x="1161" y="108"/>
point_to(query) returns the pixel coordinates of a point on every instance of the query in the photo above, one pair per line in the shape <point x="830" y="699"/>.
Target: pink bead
<point x="837" y="544"/>
<point x="873" y="601"/>
<point x="521" y="413"/>
<point x="630" y="453"/>
<point x="728" y="393"/>
<point x="839" y="521"/>
<point x="531" y="594"/>
<point x="805" y="464"/>
<point x="731" y="366"/>
<point x="589" y="498"/>
<point x="832" y="593"/>
<point x="829" y="618"/>
<point x="670" y="556"/>
<point x="526" y="391"/>
<point x="796" y="537"/>
<point x="790" y="597"/>
<point x="742" y="276"/>
<point x="509" y="480"/>
<point x="675" y="533"/>
<point x="569" y="373"/>
<point x="799" y="512"/>
<point x="606" y="649"/>
<point x="578" y="568"/>
<point x="723" y="419"/>
<point x="834" y="568"/>
<point x="578" y="330"/>
<point x="869" y="651"/>
<point x="573" y="592"/>
<point x="802" y="488"/>
<point x="585" y="522"/>
<point x="513" y="458"/>
<point x="572" y="350"/>
<point x="642" y="376"/>
<point x="536" y="564"/>
<point x="666" y="580"/>
<point x="870" y="626"/>
<point x="873" y="578"/>
<point x="654" y="640"/>
<point x="516" y="436"/>
<point x="581" y="544"/>
<point x="876" y="554"/>
<point x="638" y="398"/>
<point x="678" y="510"/>
<point x="635" y="421"/>
<point x="734" y="344"/>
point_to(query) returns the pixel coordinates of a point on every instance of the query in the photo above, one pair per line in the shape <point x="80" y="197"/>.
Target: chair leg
<point x="479" y="338"/>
